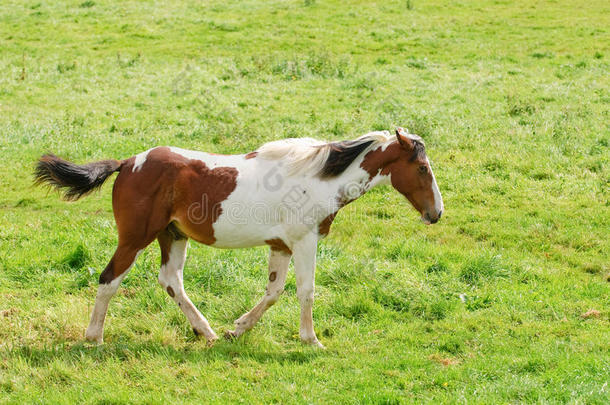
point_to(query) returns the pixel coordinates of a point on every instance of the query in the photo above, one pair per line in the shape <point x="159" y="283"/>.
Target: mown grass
<point x="486" y="306"/>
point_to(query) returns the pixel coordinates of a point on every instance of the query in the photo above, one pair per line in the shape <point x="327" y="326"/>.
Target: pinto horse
<point x="285" y="195"/>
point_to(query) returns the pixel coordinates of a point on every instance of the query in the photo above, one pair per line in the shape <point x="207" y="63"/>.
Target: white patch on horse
<point x="438" y="199"/>
<point x="379" y="179"/>
<point x="140" y="160"/>
<point x="211" y="160"/>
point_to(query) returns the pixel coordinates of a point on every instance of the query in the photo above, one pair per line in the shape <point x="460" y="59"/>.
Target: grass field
<point x="491" y="305"/>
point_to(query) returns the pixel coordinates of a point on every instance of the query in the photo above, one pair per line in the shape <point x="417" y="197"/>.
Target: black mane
<point x="341" y="156"/>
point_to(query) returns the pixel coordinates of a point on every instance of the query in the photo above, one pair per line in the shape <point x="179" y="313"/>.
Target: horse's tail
<point x="73" y="180"/>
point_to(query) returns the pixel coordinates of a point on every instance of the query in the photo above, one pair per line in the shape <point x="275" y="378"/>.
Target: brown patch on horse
<point x="123" y="258"/>
<point x="272" y="276"/>
<point x="376" y="161"/>
<point x="278" y="245"/>
<point x="167" y="186"/>
<point x="170" y="291"/>
<point x="199" y="193"/>
<point x="251" y="155"/>
<point x="108" y="274"/>
<point x="324" y="226"/>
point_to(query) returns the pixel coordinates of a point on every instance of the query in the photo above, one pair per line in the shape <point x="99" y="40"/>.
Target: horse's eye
<point x="423" y="169"/>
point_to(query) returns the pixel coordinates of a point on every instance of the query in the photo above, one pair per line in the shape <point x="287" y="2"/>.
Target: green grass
<point x="512" y="99"/>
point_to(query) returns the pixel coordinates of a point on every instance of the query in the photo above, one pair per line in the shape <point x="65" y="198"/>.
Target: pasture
<point x="505" y="300"/>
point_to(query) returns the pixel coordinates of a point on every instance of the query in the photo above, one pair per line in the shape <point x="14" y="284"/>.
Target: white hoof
<point x="314" y="342"/>
<point x="94" y="337"/>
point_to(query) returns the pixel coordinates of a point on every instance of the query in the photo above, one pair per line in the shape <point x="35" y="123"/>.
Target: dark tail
<point x="73" y="180"/>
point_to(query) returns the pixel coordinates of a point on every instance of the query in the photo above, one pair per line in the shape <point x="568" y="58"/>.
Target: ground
<point x="505" y="300"/>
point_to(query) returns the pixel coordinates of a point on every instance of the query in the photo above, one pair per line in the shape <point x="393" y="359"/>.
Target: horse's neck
<point x="327" y="196"/>
<point x="356" y="180"/>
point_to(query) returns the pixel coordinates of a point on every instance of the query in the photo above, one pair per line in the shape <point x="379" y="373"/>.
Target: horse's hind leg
<point x="173" y="254"/>
<point x="110" y="279"/>
<point x="141" y="206"/>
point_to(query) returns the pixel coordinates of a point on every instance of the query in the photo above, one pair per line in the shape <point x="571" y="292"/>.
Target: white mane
<point x="309" y="155"/>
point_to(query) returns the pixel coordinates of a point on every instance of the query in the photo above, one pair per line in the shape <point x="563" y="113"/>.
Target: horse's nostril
<point x="440" y="214"/>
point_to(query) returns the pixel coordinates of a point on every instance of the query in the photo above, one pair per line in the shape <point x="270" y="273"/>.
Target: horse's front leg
<point x="278" y="267"/>
<point x="305" y="266"/>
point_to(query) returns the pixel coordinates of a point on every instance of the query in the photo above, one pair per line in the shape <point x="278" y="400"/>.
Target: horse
<point x="284" y="195"/>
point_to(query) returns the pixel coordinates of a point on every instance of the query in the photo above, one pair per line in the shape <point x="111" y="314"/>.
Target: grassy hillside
<point x="486" y="306"/>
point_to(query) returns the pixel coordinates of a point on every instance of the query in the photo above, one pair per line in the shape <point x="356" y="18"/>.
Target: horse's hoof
<point x="231" y="335"/>
<point x="210" y="338"/>
<point x="94" y="339"/>
<point x="315" y="343"/>
<point x="211" y="341"/>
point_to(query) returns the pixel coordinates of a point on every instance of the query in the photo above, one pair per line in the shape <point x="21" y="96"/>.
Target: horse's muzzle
<point x="431" y="219"/>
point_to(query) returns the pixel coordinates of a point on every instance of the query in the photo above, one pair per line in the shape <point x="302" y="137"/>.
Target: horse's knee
<point x="273" y="294"/>
<point x="305" y="295"/>
<point x="272" y="298"/>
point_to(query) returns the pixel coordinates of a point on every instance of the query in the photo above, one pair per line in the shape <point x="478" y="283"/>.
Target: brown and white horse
<point x="285" y="195"/>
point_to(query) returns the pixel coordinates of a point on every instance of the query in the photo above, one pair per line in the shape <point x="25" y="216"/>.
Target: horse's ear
<point x="403" y="139"/>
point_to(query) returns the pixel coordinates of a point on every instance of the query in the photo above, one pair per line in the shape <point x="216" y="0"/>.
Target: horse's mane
<point x="326" y="159"/>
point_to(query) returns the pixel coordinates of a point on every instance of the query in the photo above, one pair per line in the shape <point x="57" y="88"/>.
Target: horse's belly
<point x="236" y="235"/>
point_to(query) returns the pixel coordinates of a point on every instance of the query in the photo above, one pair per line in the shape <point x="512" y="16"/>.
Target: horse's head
<point x="412" y="176"/>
